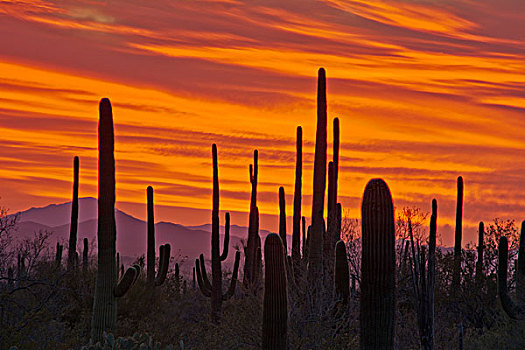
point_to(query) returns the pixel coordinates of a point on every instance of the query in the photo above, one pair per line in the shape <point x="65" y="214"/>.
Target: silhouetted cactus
<point x="456" y="278"/>
<point x="275" y="304"/>
<point x="296" y="231"/>
<point x="514" y="310"/>
<point x="164" y="258"/>
<point x="105" y="303"/>
<point x="479" y="262"/>
<point x="177" y="284"/>
<point x="254" y="240"/>
<point x="58" y="254"/>
<point x="378" y="264"/>
<point x="424" y="280"/>
<point x="214" y="289"/>
<point x="315" y="249"/>
<point x="342" y="277"/>
<point x="10" y="278"/>
<point x="282" y="218"/>
<point x="74" y="218"/>
<point x="85" y="254"/>
<point x="193" y="284"/>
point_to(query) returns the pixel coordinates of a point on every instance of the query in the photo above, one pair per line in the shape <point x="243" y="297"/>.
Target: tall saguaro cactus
<point x="164" y="250"/>
<point x="107" y="290"/>
<point x="377" y="267"/>
<point x="296" y="232"/>
<point x="315" y="253"/>
<point x="71" y="255"/>
<point x="456" y="278"/>
<point x="254" y="240"/>
<point x="214" y="289"/>
<point x="275" y="305"/>
<point x="515" y="310"/>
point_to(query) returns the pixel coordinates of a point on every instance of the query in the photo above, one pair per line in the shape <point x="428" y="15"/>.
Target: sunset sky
<point x="424" y="90"/>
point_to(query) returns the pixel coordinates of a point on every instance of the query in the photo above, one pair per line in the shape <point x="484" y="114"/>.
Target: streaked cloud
<point x="425" y="91"/>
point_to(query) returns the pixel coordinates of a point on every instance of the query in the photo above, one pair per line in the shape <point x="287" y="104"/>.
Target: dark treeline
<point x="377" y="283"/>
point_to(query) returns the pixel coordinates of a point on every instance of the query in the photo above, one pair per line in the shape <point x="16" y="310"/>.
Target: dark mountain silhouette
<point x="186" y="242"/>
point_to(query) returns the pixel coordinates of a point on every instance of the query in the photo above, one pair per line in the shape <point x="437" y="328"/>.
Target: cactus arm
<point x="514" y="311"/>
<point x="205" y="291"/>
<point x="164" y="262"/>
<point x="130" y="276"/>
<point x="204" y="274"/>
<point x="233" y="283"/>
<point x="226" y="238"/>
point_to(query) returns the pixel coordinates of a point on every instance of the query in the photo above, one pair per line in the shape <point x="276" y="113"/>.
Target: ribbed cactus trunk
<point x="282" y="218"/>
<point x="342" y="277"/>
<point x="479" y="262"/>
<point x="105" y="304"/>
<point x="315" y="249"/>
<point x="150" y="260"/>
<point x="456" y="278"/>
<point x="275" y="305"/>
<point x="216" y="293"/>
<point x="254" y="240"/>
<point x="71" y="255"/>
<point x="296" y="232"/>
<point x="85" y="253"/>
<point x="378" y="264"/>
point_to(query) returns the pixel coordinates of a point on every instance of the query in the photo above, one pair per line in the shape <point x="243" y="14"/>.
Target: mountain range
<point x="187" y="242"/>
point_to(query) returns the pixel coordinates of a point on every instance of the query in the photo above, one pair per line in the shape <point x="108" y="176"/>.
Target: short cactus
<point x="275" y="305"/>
<point x="378" y="265"/>
<point x="342" y="277"/>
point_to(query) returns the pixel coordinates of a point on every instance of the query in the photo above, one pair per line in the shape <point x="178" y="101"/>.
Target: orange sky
<point x="425" y="91"/>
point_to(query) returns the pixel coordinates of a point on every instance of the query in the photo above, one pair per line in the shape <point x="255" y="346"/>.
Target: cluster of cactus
<point x="213" y="289"/>
<point x="107" y="289"/>
<point x="165" y="250"/>
<point x="136" y="342"/>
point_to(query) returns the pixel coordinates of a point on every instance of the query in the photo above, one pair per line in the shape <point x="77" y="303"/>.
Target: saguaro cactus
<point x="479" y="262"/>
<point x="424" y="280"/>
<point x="514" y="310"/>
<point x="342" y="277"/>
<point x="296" y="232"/>
<point x="106" y="290"/>
<point x="377" y="267"/>
<point x="214" y="289"/>
<point x="282" y="218"/>
<point x="85" y="253"/>
<point x="58" y="255"/>
<point x="164" y="250"/>
<point x="315" y="253"/>
<point x="254" y="240"/>
<point x="275" y="305"/>
<point x="71" y="255"/>
<point x="457" y="239"/>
